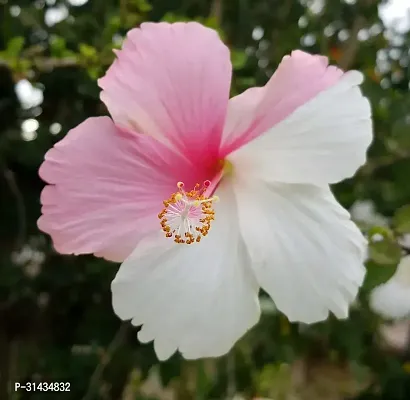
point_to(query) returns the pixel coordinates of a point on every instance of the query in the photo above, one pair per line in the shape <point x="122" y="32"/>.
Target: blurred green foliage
<point x="56" y="320"/>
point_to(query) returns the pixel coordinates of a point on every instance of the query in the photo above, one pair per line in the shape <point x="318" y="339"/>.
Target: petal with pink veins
<point x="171" y="81"/>
<point x="106" y="188"/>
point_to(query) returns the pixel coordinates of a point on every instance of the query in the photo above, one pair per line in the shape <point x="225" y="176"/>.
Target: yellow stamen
<point x="187" y="216"/>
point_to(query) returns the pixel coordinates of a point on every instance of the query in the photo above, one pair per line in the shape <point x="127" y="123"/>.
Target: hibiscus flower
<point x="205" y="200"/>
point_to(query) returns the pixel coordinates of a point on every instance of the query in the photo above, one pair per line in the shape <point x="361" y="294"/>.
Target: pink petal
<point x="106" y="189"/>
<point x="241" y="114"/>
<point x="299" y="78"/>
<point x="323" y="141"/>
<point x="171" y="81"/>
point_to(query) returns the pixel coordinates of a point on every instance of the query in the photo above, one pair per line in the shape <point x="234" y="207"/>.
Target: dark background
<point x="56" y="320"/>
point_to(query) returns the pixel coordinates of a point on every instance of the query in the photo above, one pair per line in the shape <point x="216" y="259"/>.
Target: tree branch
<point x="105" y="360"/>
<point x="216" y="10"/>
<point x="352" y="45"/>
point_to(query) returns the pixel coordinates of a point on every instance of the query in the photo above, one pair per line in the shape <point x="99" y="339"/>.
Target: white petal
<point x="306" y="252"/>
<point x="323" y="141"/>
<point x="402" y="273"/>
<point x="392" y="299"/>
<point x="198" y="298"/>
<point x="364" y="211"/>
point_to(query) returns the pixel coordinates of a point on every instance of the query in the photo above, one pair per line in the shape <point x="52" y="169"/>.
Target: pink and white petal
<point x="106" y="189"/>
<point x="299" y="78"/>
<point x="200" y="298"/>
<point x="240" y="116"/>
<point x="306" y="252"/>
<point x="323" y="141"/>
<point x="171" y="81"/>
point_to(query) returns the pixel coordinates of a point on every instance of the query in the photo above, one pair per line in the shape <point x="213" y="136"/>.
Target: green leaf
<point x="203" y="383"/>
<point x="238" y="59"/>
<point x="132" y="20"/>
<point x="385" y="252"/>
<point x="377" y="274"/>
<point x="14" y="46"/>
<point x="401" y="219"/>
<point x="246" y="82"/>
<point x="380" y="230"/>
<point x="94" y="72"/>
<point x="114" y="23"/>
<point x="274" y="380"/>
<point x="58" y="46"/>
<point x="20" y="65"/>
<point x="87" y="51"/>
<point x="141" y="5"/>
<point x="211" y="22"/>
<point x="171" y="18"/>
<point x="361" y="373"/>
<point x="401" y="133"/>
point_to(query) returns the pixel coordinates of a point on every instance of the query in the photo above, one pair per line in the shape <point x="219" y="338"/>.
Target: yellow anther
<point x="188" y="214"/>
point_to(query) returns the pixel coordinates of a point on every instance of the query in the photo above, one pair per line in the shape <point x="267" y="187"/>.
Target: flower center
<point x="187" y="216"/>
<point x="227" y="167"/>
